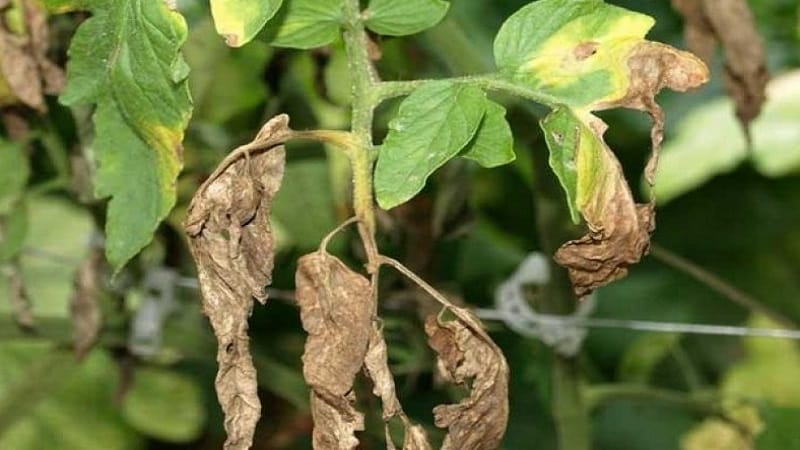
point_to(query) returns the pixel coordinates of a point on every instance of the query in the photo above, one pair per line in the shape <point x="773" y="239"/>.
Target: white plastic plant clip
<point x="512" y="308"/>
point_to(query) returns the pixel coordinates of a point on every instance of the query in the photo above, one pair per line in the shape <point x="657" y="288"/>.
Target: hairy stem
<point x="364" y="79"/>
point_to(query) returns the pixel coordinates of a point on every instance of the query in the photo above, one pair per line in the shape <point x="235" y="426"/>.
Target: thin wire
<point x="646" y="325"/>
<point x="543" y="319"/>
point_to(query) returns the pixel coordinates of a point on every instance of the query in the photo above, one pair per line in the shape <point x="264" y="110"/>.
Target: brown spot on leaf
<point x="729" y="23"/>
<point x="585" y="50"/>
<point x="337" y="310"/>
<point x="83" y="308"/>
<point x="468" y="357"/>
<point x="232" y="244"/>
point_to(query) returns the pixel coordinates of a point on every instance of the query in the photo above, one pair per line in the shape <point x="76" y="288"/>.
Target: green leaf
<point x="769" y="372"/>
<point x="14" y="172"/>
<point x="165" y="405"/>
<point x="54" y="227"/>
<point x="644" y="355"/>
<point x="68" y="406"/>
<point x="238" y="21"/>
<point x="125" y="60"/>
<point x="493" y="144"/>
<point x="708" y="141"/>
<point x="780" y="430"/>
<point x="572" y="50"/>
<point x="13" y="229"/>
<point x="306" y="24"/>
<point x="432" y="125"/>
<point x="563" y="137"/>
<point x="401" y="18"/>
<point x="215" y="65"/>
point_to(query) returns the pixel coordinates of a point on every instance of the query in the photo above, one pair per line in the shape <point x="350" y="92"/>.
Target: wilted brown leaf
<point x="468" y="357"/>
<point x="729" y="23"/>
<point x="337" y="310"/>
<point x="232" y="244"/>
<point x="26" y="73"/>
<point x="376" y="363"/>
<point x="83" y="307"/>
<point x="619" y="229"/>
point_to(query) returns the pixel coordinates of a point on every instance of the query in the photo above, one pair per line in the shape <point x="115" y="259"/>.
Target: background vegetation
<point x="149" y="381"/>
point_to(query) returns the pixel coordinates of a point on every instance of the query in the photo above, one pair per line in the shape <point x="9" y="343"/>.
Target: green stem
<point x="364" y="79"/>
<point x="603" y="393"/>
<point x="492" y="82"/>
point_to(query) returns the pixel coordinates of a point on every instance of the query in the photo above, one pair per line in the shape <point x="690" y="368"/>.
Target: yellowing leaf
<point x="574" y="50"/>
<point x="618" y="228"/>
<point x="583" y="56"/>
<point x="239" y="21"/>
<point x="125" y="59"/>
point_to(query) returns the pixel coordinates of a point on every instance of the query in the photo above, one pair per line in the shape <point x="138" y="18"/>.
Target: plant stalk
<point x="364" y="79"/>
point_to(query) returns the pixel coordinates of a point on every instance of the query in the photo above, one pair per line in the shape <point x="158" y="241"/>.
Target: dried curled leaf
<point x="729" y="23"/>
<point x="619" y="229"/>
<point x="232" y="244"/>
<point x="25" y="72"/>
<point x="468" y="357"/>
<point x="83" y="308"/>
<point x="376" y="363"/>
<point x="337" y="309"/>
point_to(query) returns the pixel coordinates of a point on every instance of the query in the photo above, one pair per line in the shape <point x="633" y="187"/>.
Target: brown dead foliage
<point x="232" y="244"/>
<point x="729" y="23"/>
<point x="619" y="229"/>
<point x="83" y="308"/>
<point x="26" y="74"/>
<point x="337" y="310"/>
<point x="469" y="358"/>
<point x="376" y="365"/>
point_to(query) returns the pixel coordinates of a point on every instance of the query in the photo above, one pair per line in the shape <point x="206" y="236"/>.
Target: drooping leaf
<point x="583" y="56"/>
<point x="239" y="21"/>
<point x="232" y="244"/>
<point x="125" y="59"/>
<point x="393" y="18"/>
<point x="493" y="144"/>
<point x="730" y="23"/>
<point x="165" y="405"/>
<point x="469" y="358"/>
<point x="619" y="230"/>
<point x="433" y="124"/>
<point x="376" y="365"/>
<point x="306" y="24"/>
<point x="337" y="309"/>
<point x="26" y="73"/>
